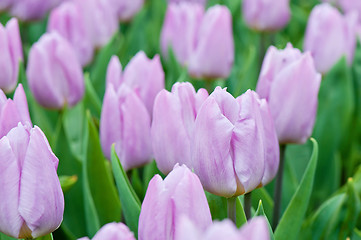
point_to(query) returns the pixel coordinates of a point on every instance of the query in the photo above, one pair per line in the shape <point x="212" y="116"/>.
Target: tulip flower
<point x="113" y="231"/>
<point x="256" y="229"/>
<point x="68" y="21"/>
<point x="234" y="147"/>
<point x="214" y="54"/>
<point x="203" y="42"/>
<point x="266" y="15"/>
<point x="290" y="83"/>
<point x="11" y="55"/>
<point x="32" y="202"/>
<point x="100" y="20"/>
<point x="203" y="2"/>
<point x="179" y="194"/>
<point x="126" y="112"/>
<point x="13" y="111"/>
<point x="174" y="116"/>
<point x="126" y="9"/>
<point x="180" y="29"/>
<point x="329" y="36"/>
<point x="54" y="72"/>
<point x="28" y="10"/>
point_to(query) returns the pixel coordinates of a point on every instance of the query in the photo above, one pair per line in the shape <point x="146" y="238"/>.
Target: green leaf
<point x="5" y="237"/>
<point x="262" y="194"/>
<point x="292" y="219"/>
<point x="260" y="212"/>
<point x="98" y="182"/>
<point x="91" y="99"/>
<point x="129" y="200"/>
<point x="46" y="237"/>
<point x="67" y="182"/>
<point x="217" y="205"/>
<point x="240" y="215"/>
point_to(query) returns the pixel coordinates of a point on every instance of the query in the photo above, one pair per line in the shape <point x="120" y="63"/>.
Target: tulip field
<point x="180" y="119"/>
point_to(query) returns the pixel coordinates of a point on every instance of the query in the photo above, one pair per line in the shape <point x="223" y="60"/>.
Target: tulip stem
<point x="231" y="208"/>
<point x="278" y="189"/>
<point x="248" y="205"/>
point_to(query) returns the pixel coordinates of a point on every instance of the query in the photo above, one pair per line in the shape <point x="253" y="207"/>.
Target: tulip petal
<point x="257" y="228"/>
<point x="114" y="72"/>
<point x="22" y="104"/>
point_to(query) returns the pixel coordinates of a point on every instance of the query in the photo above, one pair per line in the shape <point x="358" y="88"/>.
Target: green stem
<point x="278" y="189"/>
<point x="231" y="209"/>
<point x="262" y="49"/>
<point x="248" y="205"/>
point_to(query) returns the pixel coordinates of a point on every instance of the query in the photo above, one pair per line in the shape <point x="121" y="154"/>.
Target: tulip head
<point x="290" y="83"/>
<point x="266" y="15"/>
<point x="329" y="36"/>
<point x="11" y="55"/>
<point x="125" y="119"/>
<point x="180" y="193"/>
<point x="213" y="54"/>
<point x="32" y="203"/>
<point x="202" y="2"/>
<point x="54" y="72"/>
<point x="28" y="10"/>
<point x="126" y="9"/>
<point x="113" y="231"/>
<point x="174" y="116"/>
<point x="68" y="21"/>
<point x="255" y="229"/>
<point x="234" y="148"/>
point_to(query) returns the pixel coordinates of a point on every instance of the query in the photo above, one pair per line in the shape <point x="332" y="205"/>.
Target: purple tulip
<point x="13" y="111"/>
<point x="68" y="21"/>
<point x="126" y="9"/>
<point x="290" y="83"/>
<point x="350" y="6"/>
<point x="256" y="229"/>
<point x="180" y="194"/>
<point x="235" y="147"/>
<point x="329" y="36"/>
<point x="266" y="15"/>
<point x="11" y="55"/>
<point x="214" y="53"/>
<point x="54" y="72"/>
<point x="100" y="20"/>
<point x="202" y="2"/>
<point x="203" y="42"/>
<point x="5" y="4"/>
<point x="180" y="29"/>
<point x="113" y="231"/>
<point x="174" y="116"/>
<point x="32" y="9"/>
<point x="32" y="202"/>
<point x="125" y="119"/>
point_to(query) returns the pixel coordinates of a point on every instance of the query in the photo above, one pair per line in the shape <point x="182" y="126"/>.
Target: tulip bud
<point x="214" y="52"/>
<point x="290" y="83"/>
<point x="113" y="231"/>
<point x="349" y="6"/>
<point x="11" y="54"/>
<point x="126" y="9"/>
<point x="100" y="20"/>
<point x="329" y="36"/>
<point x="236" y="140"/>
<point x="255" y="229"/>
<point x="166" y="201"/>
<point x="174" y="115"/>
<point x="203" y="2"/>
<point x="266" y="15"/>
<point x="68" y="21"/>
<point x="32" y="202"/>
<point x="125" y="119"/>
<point x="13" y="111"/>
<point x="54" y="72"/>
<point x="28" y="10"/>
<point x="180" y="29"/>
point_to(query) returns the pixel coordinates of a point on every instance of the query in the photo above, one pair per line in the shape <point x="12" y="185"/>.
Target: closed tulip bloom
<point x="180" y="29"/>
<point x="179" y="194"/>
<point x="54" y="73"/>
<point x="329" y="36"/>
<point x="68" y="21"/>
<point x="255" y="229"/>
<point x="234" y="148"/>
<point x="174" y="116"/>
<point x="32" y="203"/>
<point x="213" y="55"/>
<point x="126" y="9"/>
<point x="11" y="55"/>
<point x="266" y="15"/>
<point x="203" y="2"/>
<point x="125" y="120"/>
<point x="13" y="111"/>
<point x="113" y="231"/>
<point x="28" y="10"/>
<point x="290" y="83"/>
